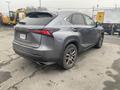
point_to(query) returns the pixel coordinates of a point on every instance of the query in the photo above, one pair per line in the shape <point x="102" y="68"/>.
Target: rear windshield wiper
<point x="22" y="23"/>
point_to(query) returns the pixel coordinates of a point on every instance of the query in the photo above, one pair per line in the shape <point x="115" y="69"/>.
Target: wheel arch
<point x="74" y="41"/>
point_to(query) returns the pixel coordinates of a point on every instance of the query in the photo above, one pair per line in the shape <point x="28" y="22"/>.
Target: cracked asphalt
<point x="96" y="69"/>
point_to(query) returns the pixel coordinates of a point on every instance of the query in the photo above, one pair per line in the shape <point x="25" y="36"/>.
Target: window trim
<point x="90" y="18"/>
<point x="72" y="17"/>
<point x="66" y="19"/>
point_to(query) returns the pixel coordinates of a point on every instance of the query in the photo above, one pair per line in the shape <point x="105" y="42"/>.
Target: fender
<point x="72" y="39"/>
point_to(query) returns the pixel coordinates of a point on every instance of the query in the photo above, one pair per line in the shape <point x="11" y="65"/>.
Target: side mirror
<point x="98" y="24"/>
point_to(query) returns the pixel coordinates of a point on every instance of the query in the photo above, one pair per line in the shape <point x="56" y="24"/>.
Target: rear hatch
<point x="34" y="21"/>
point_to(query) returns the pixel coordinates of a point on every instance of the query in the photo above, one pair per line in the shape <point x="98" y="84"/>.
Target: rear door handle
<point x="75" y="29"/>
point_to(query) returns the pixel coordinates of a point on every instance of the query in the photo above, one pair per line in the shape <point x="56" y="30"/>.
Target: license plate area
<point x="23" y="36"/>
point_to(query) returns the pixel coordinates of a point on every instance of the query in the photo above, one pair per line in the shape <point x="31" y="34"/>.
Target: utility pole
<point x="115" y="6"/>
<point x="93" y="9"/>
<point x="97" y="6"/>
<point x="8" y="2"/>
<point x="40" y="3"/>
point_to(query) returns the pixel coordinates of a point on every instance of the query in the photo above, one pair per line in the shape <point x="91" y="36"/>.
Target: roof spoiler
<point x="41" y="13"/>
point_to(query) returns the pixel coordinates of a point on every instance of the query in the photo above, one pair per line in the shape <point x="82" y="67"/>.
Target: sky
<point x="15" y="4"/>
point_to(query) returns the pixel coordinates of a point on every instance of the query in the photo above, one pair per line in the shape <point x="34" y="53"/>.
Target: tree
<point x="33" y="9"/>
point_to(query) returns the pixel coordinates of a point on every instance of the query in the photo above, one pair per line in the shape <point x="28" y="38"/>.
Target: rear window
<point x="37" y="19"/>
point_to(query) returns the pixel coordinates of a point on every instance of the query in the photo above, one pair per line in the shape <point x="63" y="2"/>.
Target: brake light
<point x="47" y="32"/>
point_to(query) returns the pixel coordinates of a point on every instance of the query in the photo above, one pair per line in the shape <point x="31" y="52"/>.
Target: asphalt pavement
<point x="96" y="69"/>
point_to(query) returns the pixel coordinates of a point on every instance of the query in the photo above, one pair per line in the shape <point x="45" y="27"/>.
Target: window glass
<point x="12" y="14"/>
<point x="69" y="19"/>
<point x="89" y="21"/>
<point x="37" y="19"/>
<point x="77" y="19"/>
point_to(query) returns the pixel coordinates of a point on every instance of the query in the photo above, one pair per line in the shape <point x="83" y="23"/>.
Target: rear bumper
<point x="37" y="54"/>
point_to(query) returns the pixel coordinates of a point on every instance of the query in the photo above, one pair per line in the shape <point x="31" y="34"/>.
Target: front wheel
<point x="99" y="43"/>
<point x="69" y="57"/>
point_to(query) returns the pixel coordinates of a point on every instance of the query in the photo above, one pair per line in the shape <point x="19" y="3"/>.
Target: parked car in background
<point x="111" y="29"/>
<point x="56" y="37"/>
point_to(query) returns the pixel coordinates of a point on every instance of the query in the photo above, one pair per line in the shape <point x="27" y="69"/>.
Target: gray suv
<point x="56" y="36"/>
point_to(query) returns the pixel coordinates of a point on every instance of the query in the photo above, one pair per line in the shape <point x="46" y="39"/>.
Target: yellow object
<point x="100" y="17"/>
<point x="5" y="19"/>
<point x="14" y="17"/>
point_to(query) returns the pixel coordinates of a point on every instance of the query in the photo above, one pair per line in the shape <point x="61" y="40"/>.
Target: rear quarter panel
<point x="64" y="37"/>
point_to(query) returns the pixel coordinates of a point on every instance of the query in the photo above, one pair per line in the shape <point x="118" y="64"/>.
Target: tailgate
<point x="33" y="21"/>
<point x="24" y="36"/>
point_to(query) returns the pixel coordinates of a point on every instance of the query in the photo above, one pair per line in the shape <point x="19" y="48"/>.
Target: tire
<point x="109" y="33"/>
<point x="100" y="42"/>
<point x="113" y="32"/>
<point x="118" y="33"/>
<point x="69" y="57"/>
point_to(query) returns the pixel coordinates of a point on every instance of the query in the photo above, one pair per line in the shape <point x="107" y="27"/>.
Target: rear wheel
<point x="69" y="56"/>
<point x="109" y="33"/>
<point x="99" y="43"/>
<point x="118" y="33"/>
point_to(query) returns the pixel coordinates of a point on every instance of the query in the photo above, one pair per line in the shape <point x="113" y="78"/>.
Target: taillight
<point x="47" y="32"/>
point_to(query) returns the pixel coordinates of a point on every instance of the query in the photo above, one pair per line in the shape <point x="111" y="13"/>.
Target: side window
<point x="77" y="19"/>
<point x="89" y="21"/>
<point x="69" y="19"/>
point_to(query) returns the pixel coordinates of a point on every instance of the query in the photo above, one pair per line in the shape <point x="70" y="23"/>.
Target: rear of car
<point x="49" y="37"/>
<point x="118" y="27"/>
<point x="33" y="40"/>
<point x="107" y="27"/>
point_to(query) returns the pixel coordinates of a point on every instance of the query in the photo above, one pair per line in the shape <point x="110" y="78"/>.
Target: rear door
<point x="33" y="21"/>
